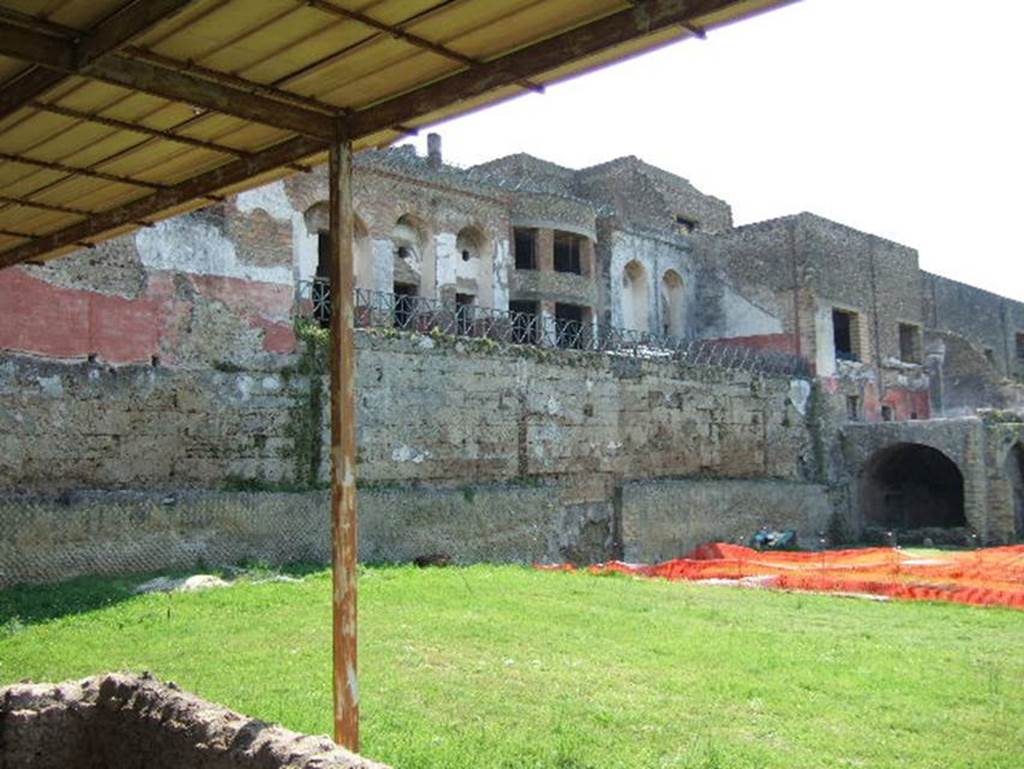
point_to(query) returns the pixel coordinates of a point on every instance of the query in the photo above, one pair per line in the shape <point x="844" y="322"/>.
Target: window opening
<point x="464" y="314"/>
<point x="852" y="408"/>
<point x="525" y="241"/>
<point x="845" y="329"/>
<point x="567" y="253"/>
<point x="569" y="326"/>
<point x="405" y="304"/>
<point x="910" y="343"/>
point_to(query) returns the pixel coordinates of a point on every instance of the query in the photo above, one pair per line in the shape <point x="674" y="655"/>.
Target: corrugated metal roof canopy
<point x="116" y="113"/>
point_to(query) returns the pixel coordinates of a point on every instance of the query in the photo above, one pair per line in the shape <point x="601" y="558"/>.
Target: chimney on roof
<point x="434" y="150"/>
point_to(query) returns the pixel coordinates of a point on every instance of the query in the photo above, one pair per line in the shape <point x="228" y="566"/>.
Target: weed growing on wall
<point x="307" y="413"/>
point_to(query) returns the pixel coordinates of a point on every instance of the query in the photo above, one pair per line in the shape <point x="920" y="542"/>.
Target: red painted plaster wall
<point x="39" y="318"/>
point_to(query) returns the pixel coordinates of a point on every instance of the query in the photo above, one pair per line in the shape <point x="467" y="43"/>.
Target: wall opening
<point x="635" y="303"/>
<point x="846" y="334"/>
<point x="409" y="239"/>
<point x="853" y="408"/>
<point x="570" y="330"/>
<point x="1015" y="472"/>
<point x="568" y="247"/>
<point x="673" y="319"/>
<point x="910" y="343"/>
<point x="685" y="224"/>
<point x="525" y="324"/>
<point x="405" y="304"/>
<point x="912" y="486"/>
<point x="464" y="313"/>
<point x="524" y="242"/>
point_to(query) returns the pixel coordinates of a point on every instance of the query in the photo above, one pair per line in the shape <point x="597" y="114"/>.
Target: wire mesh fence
<point x="416" y="314"/>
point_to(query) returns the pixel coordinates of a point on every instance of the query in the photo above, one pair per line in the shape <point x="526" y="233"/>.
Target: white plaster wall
<point x="744" y="318"/>
<point x="185" y="244"/>
<point x="383" y="265"/>
<point x="824" y="340"/>
<point x="657" y="257"/>
<point x="502" y="265"/>
<point x="448" y="259"/>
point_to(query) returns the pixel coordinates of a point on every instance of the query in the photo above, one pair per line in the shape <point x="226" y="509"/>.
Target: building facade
<point x="791" y="373"/>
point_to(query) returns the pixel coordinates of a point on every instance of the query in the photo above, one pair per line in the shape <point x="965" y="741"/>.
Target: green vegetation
<point x="509" y="667"/>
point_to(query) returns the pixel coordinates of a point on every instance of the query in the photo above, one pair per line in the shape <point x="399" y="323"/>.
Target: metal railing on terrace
<point x="404" y="312"/>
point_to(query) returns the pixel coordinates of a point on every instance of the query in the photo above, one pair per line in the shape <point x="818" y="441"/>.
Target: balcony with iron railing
<point x="376" y="309"/>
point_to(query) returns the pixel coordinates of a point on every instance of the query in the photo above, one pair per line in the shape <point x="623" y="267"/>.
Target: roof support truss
<point x="107" y="36"/>
<point x="60" y="58"/>
<point x="200" y="186"/>
<point x="645" y="17"/>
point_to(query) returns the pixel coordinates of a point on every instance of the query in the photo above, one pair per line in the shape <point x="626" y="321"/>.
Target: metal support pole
<point x="343" y="450"/>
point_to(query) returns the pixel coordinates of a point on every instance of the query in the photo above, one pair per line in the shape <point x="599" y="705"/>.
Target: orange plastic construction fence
<point x="986" y="577"/>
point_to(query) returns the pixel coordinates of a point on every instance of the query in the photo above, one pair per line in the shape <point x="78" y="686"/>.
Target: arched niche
<point x="409" y="242"/>
<point x="635" y="301"/>
<point x="912" y="486"/>
<point x="673" y="309"/>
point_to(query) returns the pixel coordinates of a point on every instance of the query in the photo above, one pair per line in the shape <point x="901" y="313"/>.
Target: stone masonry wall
<point x="122" y="721"/>
<point x="429" y="410"/>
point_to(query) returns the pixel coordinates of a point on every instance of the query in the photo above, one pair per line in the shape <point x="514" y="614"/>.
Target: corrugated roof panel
<point x="229" y="51"/>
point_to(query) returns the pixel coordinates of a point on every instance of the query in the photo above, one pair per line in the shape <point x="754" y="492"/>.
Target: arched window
<point x="673" y="317"/>
<point x="635" y="302"/>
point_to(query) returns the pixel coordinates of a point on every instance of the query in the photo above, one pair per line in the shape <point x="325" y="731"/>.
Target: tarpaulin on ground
<point x="985" y="577"/>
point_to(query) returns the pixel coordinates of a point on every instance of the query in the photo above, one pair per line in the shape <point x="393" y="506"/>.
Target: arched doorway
<point x="635" y="303"/>
<point x="1014" y="468"/>
<point x="912" y="486"/>
<point x="673" y="320"/>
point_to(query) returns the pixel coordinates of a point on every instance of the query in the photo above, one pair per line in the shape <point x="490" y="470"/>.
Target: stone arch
<point x="912" y="486"/>
<point x="470" y="243"/>
<point x="673" y="310"/>
<point x="317" y="218"/>
<point x="409" y="242"/>
<point x="1014" y="468"/>
<point x="472" y="262"/>
<point x="635" y="300"/>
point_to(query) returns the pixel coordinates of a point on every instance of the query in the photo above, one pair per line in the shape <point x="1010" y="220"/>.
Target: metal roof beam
<point x="110" y="34"/>
<point x="644" y="18"/>
<point x="54" y="54"/>
<point x="156" y="133"/>
<point x="77" y="171"/>
<point x="400" y="34"/>
<point x="200" y="186"/>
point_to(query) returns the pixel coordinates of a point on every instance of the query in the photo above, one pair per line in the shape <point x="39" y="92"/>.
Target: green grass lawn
<point x="508" y="667"/>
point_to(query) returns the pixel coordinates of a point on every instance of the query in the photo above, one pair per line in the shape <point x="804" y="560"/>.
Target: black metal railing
<point x="377" y="309"/>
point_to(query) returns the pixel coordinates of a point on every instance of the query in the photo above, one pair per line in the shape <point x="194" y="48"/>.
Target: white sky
<point x="899" y="117"/>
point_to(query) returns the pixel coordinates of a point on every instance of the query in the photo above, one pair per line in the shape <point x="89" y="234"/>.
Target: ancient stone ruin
<point x="122" y="721"/>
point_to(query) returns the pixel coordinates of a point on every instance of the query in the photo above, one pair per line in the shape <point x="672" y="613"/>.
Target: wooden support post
<point x="343" y="449"/>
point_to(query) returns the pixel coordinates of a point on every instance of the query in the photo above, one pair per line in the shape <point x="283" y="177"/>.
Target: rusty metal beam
<point x="87" y="46"/>
<point x="137" y="75"/>
<point x="202" y="186"/>
<point x="228" y="79"/>
<point x="344" y="539"/>
<point x="645" y="18"/>
<point x="400" y="34"/>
